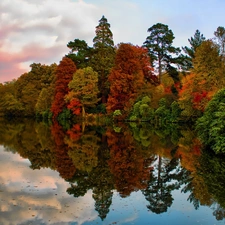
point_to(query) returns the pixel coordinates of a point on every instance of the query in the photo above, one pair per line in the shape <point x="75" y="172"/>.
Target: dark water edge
<point x="107" y="175"/>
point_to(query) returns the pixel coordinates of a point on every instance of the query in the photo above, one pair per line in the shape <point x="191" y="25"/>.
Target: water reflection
<point x="37" y="197"/>
<point x="98" y="163"/>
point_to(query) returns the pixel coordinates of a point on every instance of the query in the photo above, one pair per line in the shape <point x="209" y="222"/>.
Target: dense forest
<point x="156" y="82"/>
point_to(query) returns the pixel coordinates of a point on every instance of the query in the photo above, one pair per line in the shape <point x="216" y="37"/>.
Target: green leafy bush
<point x="211" y="126"/>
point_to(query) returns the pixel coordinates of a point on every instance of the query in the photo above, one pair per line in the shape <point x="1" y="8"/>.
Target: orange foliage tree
<point x="64" y="74"/>
<point x="128" y="76"/>
<point x="206" y="79"/>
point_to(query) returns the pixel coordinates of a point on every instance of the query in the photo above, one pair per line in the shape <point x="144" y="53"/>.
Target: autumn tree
<point x="29" y="85"/>
<point x="209" y="69"/>
<point x="11" y="106"/>
<point x="84" y="87"/>
<point x="208" y="65"/>
<point x="9" y="103"/>
<point x="46" y="95"/>
<point x="185" y="97"/>
<point x="159" y="45"/>
<point x="127" y="78"/>
<point x="103" y="56"/>
<point x="206" y="79"/>
<point x="44" y="101"/>
<point x="64" y="74"/>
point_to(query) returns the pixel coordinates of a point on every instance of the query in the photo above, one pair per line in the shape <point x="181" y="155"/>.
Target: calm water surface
<point x="51" y="175"/>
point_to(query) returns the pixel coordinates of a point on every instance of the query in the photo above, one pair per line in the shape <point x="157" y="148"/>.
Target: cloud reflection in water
<point x="38" y="195"/>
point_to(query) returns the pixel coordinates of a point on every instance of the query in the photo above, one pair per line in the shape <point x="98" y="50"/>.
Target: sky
<point x="37" y="31"/>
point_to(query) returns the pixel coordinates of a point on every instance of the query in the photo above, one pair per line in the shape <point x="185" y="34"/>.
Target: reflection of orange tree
<point x="83" y="148"/>
<point x="63" y="162"/>
<point x="129" y="168"/>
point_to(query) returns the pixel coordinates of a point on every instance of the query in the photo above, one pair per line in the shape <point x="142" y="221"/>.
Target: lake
<point x="122" y="174"/>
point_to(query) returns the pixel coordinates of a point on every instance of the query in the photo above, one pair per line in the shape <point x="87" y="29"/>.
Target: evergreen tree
<point x="103" y="55"/>
<point x="159" y="45"/>
<point x="80" y="53"/>
<point x="195" y="42"/>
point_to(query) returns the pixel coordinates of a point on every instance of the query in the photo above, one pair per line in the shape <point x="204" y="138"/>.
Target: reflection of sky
<point x="39" y="197"/>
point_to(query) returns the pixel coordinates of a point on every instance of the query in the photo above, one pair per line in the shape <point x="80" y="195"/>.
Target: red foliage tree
<point x="64" y="74"/>
<point x="132" y="69"/>
<point x="63" y="162"/>
<point x="146" y="66"/>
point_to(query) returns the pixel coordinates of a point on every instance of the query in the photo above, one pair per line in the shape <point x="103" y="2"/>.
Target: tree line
<point x="153" y="82"/>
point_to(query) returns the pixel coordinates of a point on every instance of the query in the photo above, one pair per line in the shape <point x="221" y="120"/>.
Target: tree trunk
<point x="83" y="111"/>
<point x="160" y="70"/>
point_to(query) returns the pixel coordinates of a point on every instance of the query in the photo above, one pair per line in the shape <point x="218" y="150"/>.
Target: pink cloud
<point x="9" y="67"/>
<point x="12" y="64"/>
<point x="6" y="30"/>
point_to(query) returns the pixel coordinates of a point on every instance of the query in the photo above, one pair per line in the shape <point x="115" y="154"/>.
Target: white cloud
<point x="39" y="31"/>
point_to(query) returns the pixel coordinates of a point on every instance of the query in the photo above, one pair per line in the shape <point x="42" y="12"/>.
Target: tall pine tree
<point x="159" y="45"/>
<point x="103" y="56"/>
<point x="195" y="42"/>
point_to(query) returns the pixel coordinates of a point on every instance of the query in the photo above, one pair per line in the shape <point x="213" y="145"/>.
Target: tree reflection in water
<point x="138" y="158"/>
